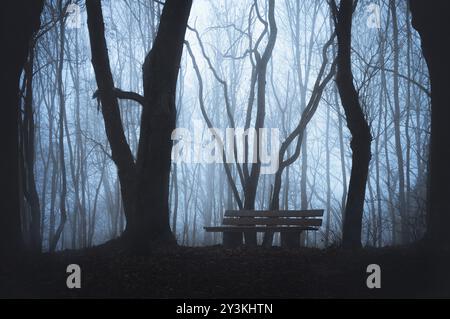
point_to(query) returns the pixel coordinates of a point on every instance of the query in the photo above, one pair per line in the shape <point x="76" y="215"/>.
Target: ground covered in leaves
<point x="215" y="272"/>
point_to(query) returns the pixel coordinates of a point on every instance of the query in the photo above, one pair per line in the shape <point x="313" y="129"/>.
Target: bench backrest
<point x="274" y="213"/>
<point x="304" y="218"/>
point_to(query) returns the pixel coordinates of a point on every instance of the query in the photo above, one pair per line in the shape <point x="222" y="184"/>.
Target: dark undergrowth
<point x="215" y="272"/>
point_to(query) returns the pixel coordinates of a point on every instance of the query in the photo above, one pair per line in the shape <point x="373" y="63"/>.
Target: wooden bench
<point x="289" y="223"/>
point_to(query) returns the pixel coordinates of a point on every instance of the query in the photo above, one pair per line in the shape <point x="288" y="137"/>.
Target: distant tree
<point x="397" y="132"/>
<point x="356" y="123"/>
<point x="431" y="21"/>
<point x="249" y="176"/>
<point x="19" y="20"/>
<point x="144" y="181"/>
<point x="62" y="114"/>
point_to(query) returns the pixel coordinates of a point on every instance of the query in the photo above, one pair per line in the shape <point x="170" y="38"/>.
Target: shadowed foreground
<point x="213" y="272"/>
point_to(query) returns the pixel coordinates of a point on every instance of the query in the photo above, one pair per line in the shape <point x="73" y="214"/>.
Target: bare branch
<point x="128" y="95"/>
<point x="123" y="95"/>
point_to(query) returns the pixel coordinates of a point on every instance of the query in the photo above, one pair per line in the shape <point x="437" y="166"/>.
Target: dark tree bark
<point x="19" y="20"/>
<point x="144" y="183"/>
<point x="431" y="21"/>
<point x="121" y="153"/>
<point x="251" y="183"/>
<point x="357" y="124"/>
<point x="160" y="73"/>
<point x="62" y="114"/>
<point x="28" y="149"/>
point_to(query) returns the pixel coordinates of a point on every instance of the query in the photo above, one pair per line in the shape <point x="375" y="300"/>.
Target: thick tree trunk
<point x="28" y="141"/>
<point x="358" y="126"/>
<point x="431" y="21"/>
<point x="19" y="20"/>
<point x="144" y="184"/>
<point x="160" y="73"/>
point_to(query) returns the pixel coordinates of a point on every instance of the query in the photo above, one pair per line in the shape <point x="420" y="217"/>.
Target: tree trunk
<point x="121" y="153"/>
<point x="28" y="140"/>
<point x="358" y="126"/>
<point x="19" y="20"/>
<point x="160" y="73"/>
<point x="251" y="183"/>
<point x="430" y="20"/>
<point x="397" y="133"/>
<point x="144" y="184"/>
<point x="62" y="112"/>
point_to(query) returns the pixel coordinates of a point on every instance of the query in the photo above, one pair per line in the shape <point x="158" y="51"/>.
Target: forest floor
<point x="215" y="272"/>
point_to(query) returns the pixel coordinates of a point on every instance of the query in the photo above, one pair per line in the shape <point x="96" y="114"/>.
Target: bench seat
<point x="258" y="229"/>
<point x="290" y="224"/>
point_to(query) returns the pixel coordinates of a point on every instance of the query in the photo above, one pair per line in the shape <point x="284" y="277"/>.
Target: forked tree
<point x="144" y="180"/>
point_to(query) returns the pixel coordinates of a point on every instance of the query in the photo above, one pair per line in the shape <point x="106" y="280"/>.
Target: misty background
<point x="390" y="76"/>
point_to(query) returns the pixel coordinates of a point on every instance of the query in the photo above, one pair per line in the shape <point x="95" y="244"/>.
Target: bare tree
<point x="357" y="124"/>
<point x="144" y="183"/>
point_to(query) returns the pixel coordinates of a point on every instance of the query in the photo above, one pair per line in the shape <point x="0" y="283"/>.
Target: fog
<point x="390" y="77"/>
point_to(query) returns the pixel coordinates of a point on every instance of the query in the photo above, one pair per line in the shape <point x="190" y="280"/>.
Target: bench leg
<point x="268" y="239"/>
<point x="250" y="239"/>
<point x="303" y="239"/>
<point x="232" y="239"/>
<point x="290" y="239"/>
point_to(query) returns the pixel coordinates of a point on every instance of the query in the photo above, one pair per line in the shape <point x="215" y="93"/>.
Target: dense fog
<point x="68" y="169"/>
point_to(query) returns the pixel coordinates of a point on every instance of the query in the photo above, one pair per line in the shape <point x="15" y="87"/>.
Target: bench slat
<point x="258" y="228"/>
<point x="272" y="221"/>
<point x="273" y="213"/>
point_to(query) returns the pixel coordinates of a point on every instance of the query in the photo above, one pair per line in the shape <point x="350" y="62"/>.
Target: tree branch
<point x="128" y="95"/>
<point x="123" y="95"/>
